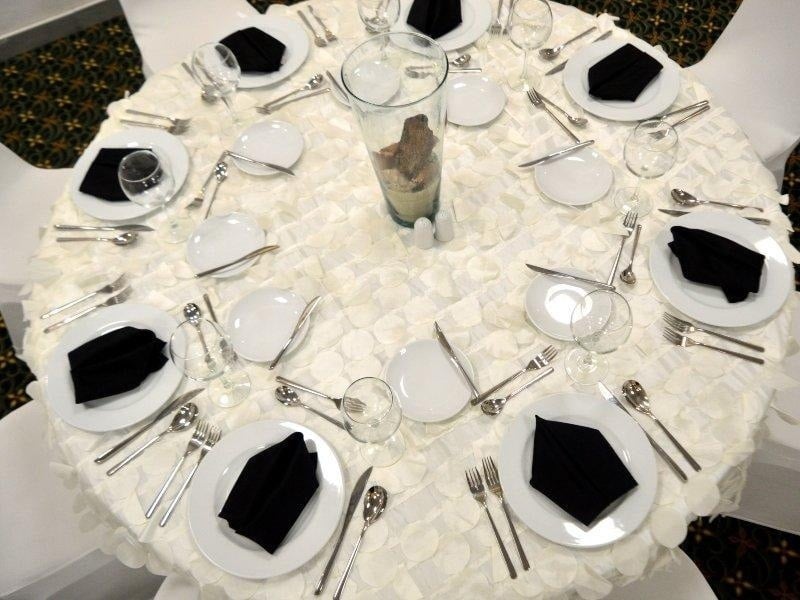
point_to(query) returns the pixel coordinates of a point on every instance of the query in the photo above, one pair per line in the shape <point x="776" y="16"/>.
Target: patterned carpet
<point x="53" y="99"/>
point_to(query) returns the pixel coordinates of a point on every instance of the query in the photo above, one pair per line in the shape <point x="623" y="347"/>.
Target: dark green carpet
<point x="53" y="99"/>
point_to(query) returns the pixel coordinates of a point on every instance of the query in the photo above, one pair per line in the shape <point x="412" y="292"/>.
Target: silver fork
<point x="684" y="327"/>
<point x="214" y="434"/>
<point x="173" y="129"/>
<point x="201" y="195"/>
<point x="175" y="121"/>
<point x="629" y="223"/>
<point x="198" y="437"/>
<point x="119" y="283"/>
<point x="493" y="483"/>
<point x="476" y="488"/>
<point x="497" y="26"/>
<point x="679" y="339"/>
<point x="329" y="36"/>
<point x="118" y="299"/>
<point x="539" y="361"/>
<point x="533" y="96"/>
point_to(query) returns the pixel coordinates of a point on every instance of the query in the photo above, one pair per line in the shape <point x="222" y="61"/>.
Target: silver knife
<point x="609" y="395"/>
<point x="553" y="155"/>
<point x="449" y="349"/>
<point x="355" y="496"/>
<point x="233" y="154"/>
<point x="183" y="398"/>
<point x="560" y="275"/>
<point x="560" y="66"/>
<point x="335" y="83"/>
<point x="680" y="213"/>
<point x="253" y="254"/>
<point x="304" y="316"/>
<point x="128" y="227"/>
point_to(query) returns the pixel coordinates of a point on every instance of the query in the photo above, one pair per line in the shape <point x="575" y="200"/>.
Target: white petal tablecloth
<point x="381" y="292"/>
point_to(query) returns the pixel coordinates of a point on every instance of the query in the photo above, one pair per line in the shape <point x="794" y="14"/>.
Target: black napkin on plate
<point x="435" y="18"/>
<point x="577" y="469"/>
<point x="271" y="492"/>
<point x="101" y="179"/>
<point x="116" y="362"/>
<point x="623" y="74"/>
<point x="709" y="258"/>
<point x="255" y="50"/>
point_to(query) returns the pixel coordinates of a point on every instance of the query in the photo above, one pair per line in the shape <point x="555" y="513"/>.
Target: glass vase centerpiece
<point x="395" y="85"/>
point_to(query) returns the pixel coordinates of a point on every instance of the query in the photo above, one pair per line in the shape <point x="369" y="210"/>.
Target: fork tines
<point x="475" y="483"/>
<point x="673" y="336"/>
<point x="490" y="472"/>
<point x="545" y="356"/>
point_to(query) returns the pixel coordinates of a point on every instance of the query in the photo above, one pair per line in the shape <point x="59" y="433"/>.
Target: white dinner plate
<point x="542" y="515"/>
<point x="133" y="137"/>
<point x="474" y="100"/>
<point x="429" y="386"/>
<point x="476" y="15"/>
<point x="222" y="239"/>
<point x="374" y="81"/>
<point x="707" y="303"/>
<point x="261" y="322"/>
<point x="214" y="480"/>
<point x="287" y="31"/>
<point x="654" y="99"/>
<point x="576" y="179"/>
<point x="549" y="302"/>
<point x="275" y="142"/>
<point x="122" y="410"/>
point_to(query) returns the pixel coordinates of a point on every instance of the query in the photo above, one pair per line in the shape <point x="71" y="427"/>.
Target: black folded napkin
<point x="577" y="469"/>
<point x="113" y="363"/>
<point x="272" y="491"/>
<point x="623" y="74"/>
<point x="101" y="180"/>
<point x="709" y="258"/>
<point x="255" y="50"/>
<point x="435" y="18"/>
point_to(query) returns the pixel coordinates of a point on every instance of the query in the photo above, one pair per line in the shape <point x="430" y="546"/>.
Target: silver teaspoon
<point x="123" y="239"/>
<point x="686" y="199"/>
<point x="289" y="397"/>
<point x="312" y="84"/>
<point x="494" y="406"/>
<point x="552" y="53"/>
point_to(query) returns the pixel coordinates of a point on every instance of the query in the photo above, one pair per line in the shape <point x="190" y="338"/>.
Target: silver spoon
<point x="220" y="174"/>
<point x="312" y="84"/>
<point x="207" y="92"/>
<point x="686" y="199"/>
<point x="577" y="121"/>
<point x="193" y="314"/>
<point x="374" y="504"/>
<point x="183" y="419"/>
<point x="551" y="53"/>
<point x="637" y="398"/>
<point x="462" y="60"/>
<point x="628" y="276"/>
<point x="123" y="239"/>
<point x="289" y="397"/>
<point x="494" y="406"/>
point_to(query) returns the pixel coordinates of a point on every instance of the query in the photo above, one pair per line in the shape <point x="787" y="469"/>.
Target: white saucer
<point x="541" y="514"/>
<point x="219" y="240"/>
<point x="474" y="100"/>
<point x="577" y="179"/>
<point x="214" y="480"/>
<point x="549" y="302"/>
<point x="429" y="386"/>
<point x="275" y="142"/>
<point x="374" y="82"/>
<point x="261" y="322"/>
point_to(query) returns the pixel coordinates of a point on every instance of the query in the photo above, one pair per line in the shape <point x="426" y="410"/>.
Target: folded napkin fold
<point x="116" y="362"/>
<point x="577" y="469"/>
<point x="711" y="259"/>
<point x="623" y="74"/>
<point x="271" y="492"/>
<point x="101" y="179"/>
<point x="255" y="50"/>
<point x="435" y="18"/>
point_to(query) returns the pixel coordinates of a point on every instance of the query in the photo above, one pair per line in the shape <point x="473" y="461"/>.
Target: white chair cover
<point x="167" y="31"/>
<point x="680" y="580"/>
<point x="749" y="70"/>
<point x="178" y="588"/>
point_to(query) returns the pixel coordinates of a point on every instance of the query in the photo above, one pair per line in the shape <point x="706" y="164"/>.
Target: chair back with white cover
<point x="166" y="32"/>
<point x="680" y="580"/>
<point x="749" y="70"/>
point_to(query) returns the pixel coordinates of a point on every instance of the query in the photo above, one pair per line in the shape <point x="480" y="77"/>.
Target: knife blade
<point x="260" y="163"/>
<point x="163" y="413"/>
<point x="304" y="316"/>
<point x="680" y="213"/>
<point x="126" y="227"/>
<point x="556" y="154"/>
<point x="248" y="256"/>
<point x="609" y="396"/>
<point x="355" y="497"/>
<point x="560" y="66"/>
<point x="335" y="84"/>
<point x="440" y="337"/>
<point x="560" y="275"/>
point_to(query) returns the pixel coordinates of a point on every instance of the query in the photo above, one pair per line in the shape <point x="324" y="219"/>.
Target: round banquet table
<point x="381" y="292"/>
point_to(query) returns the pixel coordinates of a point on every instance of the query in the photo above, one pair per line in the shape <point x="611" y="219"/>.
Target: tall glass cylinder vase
<point x="395" y="84"/>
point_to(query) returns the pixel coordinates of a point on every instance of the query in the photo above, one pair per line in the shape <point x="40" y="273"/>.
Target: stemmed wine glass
<point x="203" y="352"/>
<point x="146" y="178"/>
<point x="218" y="71"/>
<point x="378" y="16"/>
<point x="600" y="324"/>
<point x="650" y="151"/>
<point x="374" y="421"/>
<point x="531" y="24"/>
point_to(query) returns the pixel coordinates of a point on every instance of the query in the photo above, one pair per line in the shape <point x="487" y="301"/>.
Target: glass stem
<point x="588" y="362"/>
<point x="638" y="189"/>
<point x="524" y="76"/>
<point x="226" y="99"/>
<point x="171" y="224"/>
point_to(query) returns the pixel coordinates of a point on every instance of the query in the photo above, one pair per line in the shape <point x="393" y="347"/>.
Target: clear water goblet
<point x="530" y="26"/>
<point x="376" y="424"/>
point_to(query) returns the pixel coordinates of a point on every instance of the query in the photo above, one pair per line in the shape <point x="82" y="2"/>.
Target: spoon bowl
<point x="461" y="60"/>
<point x="686" y="199"/>
<point x="493" y="406"/>
<point x="184" y="418"/>
<point x="287" y="396"/>
<point x="374" y="504"/>
<point x="124" y="239"/>
<point x="637" y="397"/>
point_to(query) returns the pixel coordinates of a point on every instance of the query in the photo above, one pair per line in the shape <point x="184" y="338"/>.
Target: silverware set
<point x="352" y="404"/>
<point x="537" y="101"/>
<point x="119" y="298"/>
<point x="678" y="337"/>
<point x="627" y="275"/>
<point x="176" y="126"/>
<point x="109" y="288"/>
<point x="539" y="361"/>
<point x="629" y="224"/>
<point x="327" y="36"/>
<point x="288" y="397"/>
<point x="494" y="406"/>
